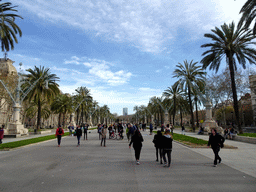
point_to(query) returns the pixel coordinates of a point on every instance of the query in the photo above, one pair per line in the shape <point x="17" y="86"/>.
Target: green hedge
<point x="248" y="134"/>
<point x="20" y="143"/>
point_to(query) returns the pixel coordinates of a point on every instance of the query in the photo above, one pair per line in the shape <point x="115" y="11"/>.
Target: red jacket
<point x="57" y="132"/>
<point x="1" y="133"/>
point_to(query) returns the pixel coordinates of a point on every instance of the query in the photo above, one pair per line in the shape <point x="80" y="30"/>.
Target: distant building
<point x="125" y="111"/>
<point x="252" y="80"/>
<point x="6" y="67"/>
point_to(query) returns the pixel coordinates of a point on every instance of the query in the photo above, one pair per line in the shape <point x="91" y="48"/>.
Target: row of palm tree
<point x="181" y="97"/>
<point x="234" y="44"/>
<point x="45" y="99"/>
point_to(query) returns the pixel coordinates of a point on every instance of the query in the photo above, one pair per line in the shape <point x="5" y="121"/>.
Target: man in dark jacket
<point x="78" y="134"/>
<point x="158" y="145"/>
<point x="216" y="141"/>
<point x="167" y="147"/>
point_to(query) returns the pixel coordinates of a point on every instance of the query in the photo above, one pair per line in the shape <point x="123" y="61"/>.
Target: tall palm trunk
<point x="59" y="121"/>
<point x="174" y="111"/>
<point x="233" y="85"/>
<point x="180" y="116"/>
<point x="191" y="108"/>
<point x="197" y="121"/>
<point x="38" y="114"/>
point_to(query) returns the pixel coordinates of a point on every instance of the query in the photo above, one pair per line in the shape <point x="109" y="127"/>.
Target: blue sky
<point x="123" y="51"/>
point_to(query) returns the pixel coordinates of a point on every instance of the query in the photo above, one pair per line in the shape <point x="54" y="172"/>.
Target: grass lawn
<point x="15" y="144"/>
<point x="191" y="141"/>
<point x="248" y="134"/>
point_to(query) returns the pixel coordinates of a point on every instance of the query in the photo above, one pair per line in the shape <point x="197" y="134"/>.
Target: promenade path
<point x="90" y="167"/>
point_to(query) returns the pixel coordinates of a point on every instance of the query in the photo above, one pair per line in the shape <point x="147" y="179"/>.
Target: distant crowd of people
<point x="162" y="139"/>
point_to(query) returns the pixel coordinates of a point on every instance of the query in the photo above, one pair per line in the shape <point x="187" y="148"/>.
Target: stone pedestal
<point x="73" y="120"/>
<point x="209" y="123"/>
<point x="15" y="130"/>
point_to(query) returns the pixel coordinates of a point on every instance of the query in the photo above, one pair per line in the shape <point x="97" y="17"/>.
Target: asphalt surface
<point x="90" y="167"/>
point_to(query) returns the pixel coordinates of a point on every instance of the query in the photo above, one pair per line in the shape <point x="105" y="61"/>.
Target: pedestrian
<point x="58" y="134"/>
<point x="85" y="127"/>
<point x="158" y="145"/>
<point x="167" y="147"/>
<point x="183" y="129"/>
<point x="226" y="132"/>
<point x="110" y="131"/>
<point x="150" y="129"/>
<point x="172" y="127"/>
<point x="79" y="133"/>
<point x="70" y="129"/>
<point x="1" y="133"/>
<point x="144" y="126"/>
<point x="104" y="132"/>
<point x="216" y="141"/>
<point x="137" y="140"/>
<point x="162" y="128"/>
<point x="99" y="130"/>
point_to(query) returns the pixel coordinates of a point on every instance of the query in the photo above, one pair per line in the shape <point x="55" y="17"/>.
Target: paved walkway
<point x="242" y="159"/>
<point x="90" y="167"/>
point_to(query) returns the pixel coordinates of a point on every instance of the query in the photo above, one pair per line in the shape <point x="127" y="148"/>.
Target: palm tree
<point x="41" y="91"/>
<point x="172" y="93"/>
<point x="8" y="27"/>
<point x="62" y="105"/>
<point x="190" y="77"/>
<point x="83" y="96"/>
<point x="248" y="14"/>
<point x="234" y="46"/>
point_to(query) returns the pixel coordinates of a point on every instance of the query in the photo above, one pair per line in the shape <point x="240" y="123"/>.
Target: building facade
<point x="125" y="111"/>
<point x="252" y="80"/>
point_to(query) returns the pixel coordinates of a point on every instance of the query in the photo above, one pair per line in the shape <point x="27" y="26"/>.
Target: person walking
<point x="137" y="140"/>
<point x="167" y="147"/>
<point x="183" y="129"/>
<point x="86" y="127"/>
<point x="58" y="134"/>
<point x="104" y="132"/>
<point x="79" y="133"/>
<point x="1" y="133"/>
<point x="99" y="130"/>
<point x="158" y="145"/>
<point x="150" y="129"/>
<point x="216" y="141"/>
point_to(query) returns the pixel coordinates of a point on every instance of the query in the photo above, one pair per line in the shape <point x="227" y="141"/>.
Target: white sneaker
<point x="138" y="162"/>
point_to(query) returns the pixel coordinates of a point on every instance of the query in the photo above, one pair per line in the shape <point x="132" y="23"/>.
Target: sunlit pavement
<point x="90" y="167"/>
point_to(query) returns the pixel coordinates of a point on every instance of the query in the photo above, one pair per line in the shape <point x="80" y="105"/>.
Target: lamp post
<point x="16" y="127"/>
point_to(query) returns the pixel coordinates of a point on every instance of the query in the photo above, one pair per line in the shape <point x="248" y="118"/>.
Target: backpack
<point x="60" y="131"/>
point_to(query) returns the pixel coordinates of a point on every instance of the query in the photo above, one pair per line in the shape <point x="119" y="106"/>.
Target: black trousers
<point x="160" y="152"/>
<point x="59" y="139"/>
<point x="168" y="152"/>
<point x="137" y="152"/>
<point x="85" y="134"/>
<point x="103" y="139"/>
<point x="216" y="151"/>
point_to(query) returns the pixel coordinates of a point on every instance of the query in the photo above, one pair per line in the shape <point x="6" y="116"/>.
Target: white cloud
<point x="100" y="70"/>
<point x="150" y="25"/>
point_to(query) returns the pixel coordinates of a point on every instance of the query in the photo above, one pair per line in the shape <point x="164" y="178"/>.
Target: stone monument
<point x="209" y="123"/>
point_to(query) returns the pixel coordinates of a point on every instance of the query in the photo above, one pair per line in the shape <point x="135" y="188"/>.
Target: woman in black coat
<point x="158" y="145"/>
<point x="137" y="140"/>
<point x="216" y="141"/>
